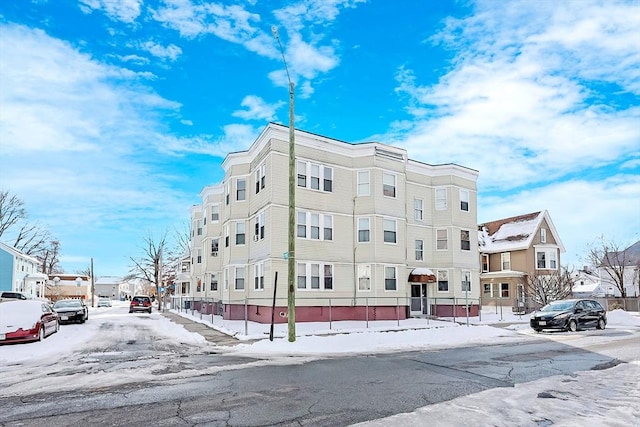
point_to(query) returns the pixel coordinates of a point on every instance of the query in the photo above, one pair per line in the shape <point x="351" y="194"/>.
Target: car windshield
<point x="558" y="306"/>
<point x="71" y="303"/>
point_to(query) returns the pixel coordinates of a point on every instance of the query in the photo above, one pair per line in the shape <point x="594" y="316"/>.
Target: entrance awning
<point x="422" y="275"/>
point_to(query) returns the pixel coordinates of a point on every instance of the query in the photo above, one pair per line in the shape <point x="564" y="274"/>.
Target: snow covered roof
<point x="514" y="233"/>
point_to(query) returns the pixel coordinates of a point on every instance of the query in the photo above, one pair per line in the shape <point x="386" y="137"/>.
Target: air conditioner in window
<point x="256" y="238"/>
<point x="214" y="253"/>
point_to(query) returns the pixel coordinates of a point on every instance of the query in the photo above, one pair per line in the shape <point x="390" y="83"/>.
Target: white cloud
<point x="117" y="10"/>
<point x="235" y="137"/>
<point x="170" y="52"/>
<point x="257" y="109"/>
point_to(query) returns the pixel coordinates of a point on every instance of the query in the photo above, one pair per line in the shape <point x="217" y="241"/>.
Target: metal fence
<point x="361" y="308"/>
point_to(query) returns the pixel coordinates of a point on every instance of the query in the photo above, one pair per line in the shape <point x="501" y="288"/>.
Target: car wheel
<point x="573" y="326"/>
<point x="57" y="328"/>
<point x="149" y="311"/>
<point x="601" y="323"/>
<point x="41" y="333"/>
<point x="538" y="330"/>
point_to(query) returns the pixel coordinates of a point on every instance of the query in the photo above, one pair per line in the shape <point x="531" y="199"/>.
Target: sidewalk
<point x="210" y="334"/>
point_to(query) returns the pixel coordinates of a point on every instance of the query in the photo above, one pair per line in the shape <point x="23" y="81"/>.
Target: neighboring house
<point x="586" y="283"/>
<point x="378" y="235"/>
<point x="513" y="248"/>
<point x="108" y="287"/>
<point x="631" y="272"/>
<point x="61" y="286"/>
<point x="20" y="273"/>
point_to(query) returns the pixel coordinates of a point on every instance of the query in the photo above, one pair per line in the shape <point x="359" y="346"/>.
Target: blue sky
<point x="114" y="114"/>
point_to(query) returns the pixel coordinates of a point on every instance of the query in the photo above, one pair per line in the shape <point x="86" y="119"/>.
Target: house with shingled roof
<point x="511" y="249"/>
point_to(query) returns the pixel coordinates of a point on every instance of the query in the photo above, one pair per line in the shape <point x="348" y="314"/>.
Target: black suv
<point x="570" y="315"/>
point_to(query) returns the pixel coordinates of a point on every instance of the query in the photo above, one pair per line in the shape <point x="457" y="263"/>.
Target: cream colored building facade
<point x="367" y="217"/>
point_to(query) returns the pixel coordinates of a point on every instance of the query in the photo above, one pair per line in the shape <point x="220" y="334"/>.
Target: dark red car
<point x="140" y="303"/>
<point x="27" y="320"/>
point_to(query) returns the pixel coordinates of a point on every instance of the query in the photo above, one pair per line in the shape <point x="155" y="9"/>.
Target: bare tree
<point x="28" y="238"/>
<point x="85" y="271"/>
<point x="148" y="267"/>
<point x="49" y="257"/>
<point x="12" y="211"/>
<point x="612" y="260"/>
<point x="549" y="286"/>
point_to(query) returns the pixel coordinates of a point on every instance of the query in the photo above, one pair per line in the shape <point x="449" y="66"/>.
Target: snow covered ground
<point x="606" y="397"/>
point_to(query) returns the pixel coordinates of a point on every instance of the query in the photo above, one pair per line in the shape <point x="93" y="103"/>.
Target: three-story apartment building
<point x="378" y="235"/>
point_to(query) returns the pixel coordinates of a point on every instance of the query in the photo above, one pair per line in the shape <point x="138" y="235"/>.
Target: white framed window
<point x="443" y="281"/>
<point x="241" y="189"/>
<point x="199" y="256"/>
<point x="390" y="278"/>
<point x="504" y="290"/>
<point x="543" y="235"/>
<point x="485" y="263"/>
<point x="364" y="277"/>
<point x="227" y="191"/>
<point x="199" y="227"/>
<point x="226" y="236"/>
<point x="260" y="175"/>
<point x="465" y="242"/>
<point x="215" y="213"/>
<point x="546" y="259"/>
<point x="441" y="199"/>
<point x="441" y="239"/>
<point x="214" y="246"/>
<point x="226" y="278"/>
<point x="258" y="276"/>
<point x="364" y="230"/>
<point x="464" y="200"/>
<point x="239" y="278"/>
<point x="389" y="226"/>
<point x="204" y="216"/>
<point x="314" y="226"/>
<point x="364" y="183"/>
<point x="311" y="175"/>
<point x="315" y="276"/>
<point x="258" y="231"/>
<point x="240" y="233"/>
<point x="466" y="281"/>
<point x="505" y="260"/>
<point x="389" y="184"/>
<point x="419" y="250"/>
<point x="214" y="282"/>
<point x="418" y="209"/>
<point x="553" y="261"/>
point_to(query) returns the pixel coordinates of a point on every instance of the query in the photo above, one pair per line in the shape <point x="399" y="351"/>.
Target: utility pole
<point x="291" y="291"/>
<point x="93" y="284"/>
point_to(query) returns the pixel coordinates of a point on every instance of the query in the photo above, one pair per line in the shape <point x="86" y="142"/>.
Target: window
<point x="214" y="247"/>
<point x="553" y="263"/>
<point x="327" y="184"/>
<point x="441" y="240"/>
<point x="364" y="229"/>
<point x="302" y="224"/>
<point x="198" y="286"/>
<point x="258" y="279"/>
<point x="199" y="257"/>
<point x="504" y="290"/>
<point x="240" y="236"/>
<point x="226" y="236"/>
<point x="315" y="226"/>
<point x="239" y="278"/>
<point x="199" y="227"/>
<point x="505" y="259"/>
<point x="389" y="185"/>
<point x="465" y="243"/>
<point x="441" y="199"/>
<point x="541" y="259"/>
<point x="310" y="174"/>
<point x="363" y="183"/>
<point x="227" y="190"/>
<point x="260" y="177"/>
<point x="241" y="189"/>
<point x="443" y="281"/>
<point x="315" y="276"/>
<point x="389" y="226"/>
<point x="464" y="200"/>
<point x="364" y="277"/>
<point x="214" y="282"/>
<point x="226" y="278"/>
<point x="417" y="209"/>
<point x="389" y="278"/>
<point x="543" y="235"/>
<point x="204" y="216"/>
<point x="466" y="281"/>
<point x="419" y="250"/>
<point x="487" y="289"/>
<point x="259" y="228"/>
<point x="215" y="213"/>
<point x="485" y="263"/>
<point x="328" y="276"/>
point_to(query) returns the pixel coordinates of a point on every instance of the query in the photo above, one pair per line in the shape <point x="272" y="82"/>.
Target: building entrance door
<point x="419" y="299"/>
